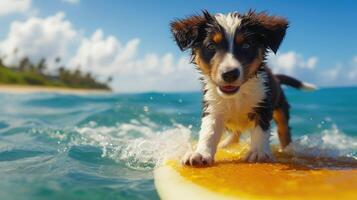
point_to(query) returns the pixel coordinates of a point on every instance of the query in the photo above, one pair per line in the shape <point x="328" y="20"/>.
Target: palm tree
<point x="41" y="66"/>
<point x="24" y="64"/>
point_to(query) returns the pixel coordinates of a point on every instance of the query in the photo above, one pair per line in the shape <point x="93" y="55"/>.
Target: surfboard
<point x="290" y="177"/>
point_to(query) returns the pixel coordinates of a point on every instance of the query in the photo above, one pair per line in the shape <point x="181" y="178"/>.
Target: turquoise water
<point x="55" y="146"/>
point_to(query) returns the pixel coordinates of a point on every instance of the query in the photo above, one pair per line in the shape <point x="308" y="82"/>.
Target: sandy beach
<point x="23" y="89"/>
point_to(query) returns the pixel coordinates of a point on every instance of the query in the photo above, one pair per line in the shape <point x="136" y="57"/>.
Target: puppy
<point x="239" y="91"/>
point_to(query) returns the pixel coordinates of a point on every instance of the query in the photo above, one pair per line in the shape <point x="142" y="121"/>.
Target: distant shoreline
<point x="23" y="89"/>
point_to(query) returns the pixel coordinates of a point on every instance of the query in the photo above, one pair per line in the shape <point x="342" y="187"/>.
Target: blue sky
<point x="323" y="31"/>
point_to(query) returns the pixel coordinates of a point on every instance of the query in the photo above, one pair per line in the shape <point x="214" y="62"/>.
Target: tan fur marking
<point x="283" y="127"/>
<point x="239" y="39"/>
<point x="209" y="69"/>
<point x="203" y="66"/>
<point x="255" y="64"/>
<point x="217" y="37"/>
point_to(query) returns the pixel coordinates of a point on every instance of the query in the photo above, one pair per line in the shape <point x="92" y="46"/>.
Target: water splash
<point x="330" y="143"/>
<point x="140" y="144"/>
<point x="143" y="145"/>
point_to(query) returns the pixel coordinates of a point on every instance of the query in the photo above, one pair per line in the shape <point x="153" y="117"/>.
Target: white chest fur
<point x="234" y="110"/>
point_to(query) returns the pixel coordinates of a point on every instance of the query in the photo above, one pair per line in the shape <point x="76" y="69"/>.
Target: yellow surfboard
<point x="290" y="177"/>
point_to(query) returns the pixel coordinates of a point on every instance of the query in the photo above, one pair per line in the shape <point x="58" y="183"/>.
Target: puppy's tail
<point x="292" y="82"/>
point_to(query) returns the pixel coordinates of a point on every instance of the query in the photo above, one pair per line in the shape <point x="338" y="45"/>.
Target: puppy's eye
<point x="246" y="46"/>
<point x="211" y="46"/>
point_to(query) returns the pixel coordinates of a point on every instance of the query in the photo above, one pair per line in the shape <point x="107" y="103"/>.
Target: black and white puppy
<point x="239" y="91"/>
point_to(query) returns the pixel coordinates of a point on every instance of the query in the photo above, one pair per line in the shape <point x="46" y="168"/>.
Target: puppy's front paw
<point x="196" y="159"/>
<point x="256" y="155"/>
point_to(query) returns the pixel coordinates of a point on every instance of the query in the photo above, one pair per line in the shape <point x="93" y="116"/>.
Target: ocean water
<point x="55" y="146"/>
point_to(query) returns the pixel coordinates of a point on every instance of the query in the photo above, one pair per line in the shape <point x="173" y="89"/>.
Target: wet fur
<point x="260" y="97"/>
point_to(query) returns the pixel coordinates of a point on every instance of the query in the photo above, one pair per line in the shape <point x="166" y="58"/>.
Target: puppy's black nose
<point x="231" y="76"/>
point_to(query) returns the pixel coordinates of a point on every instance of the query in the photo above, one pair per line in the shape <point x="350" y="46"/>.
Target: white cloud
<point x="38" y="38"/>
<point x="340" y="74"/>
<point x="14" y="6"/>
<point x="294" y="64"/>
<point x="106" y="56"/>
<point x="352" y="75"/>
<point x="71" y="1"/>
<point x="284" y="62"/>
<point x="332" y="74"/>
<point x="290" y="62"/>
<point x="97" y="53"/>
<point x="311" y="63"/>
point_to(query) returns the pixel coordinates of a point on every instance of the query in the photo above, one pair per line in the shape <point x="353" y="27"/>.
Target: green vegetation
<point x="27" y="73"/>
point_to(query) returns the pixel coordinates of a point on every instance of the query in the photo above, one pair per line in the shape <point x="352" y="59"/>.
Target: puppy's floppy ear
<point x="187" y="32"/>
<point x="272" y="28"/>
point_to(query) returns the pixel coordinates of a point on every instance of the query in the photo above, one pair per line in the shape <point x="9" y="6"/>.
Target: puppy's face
<point x="229" y="49"/>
